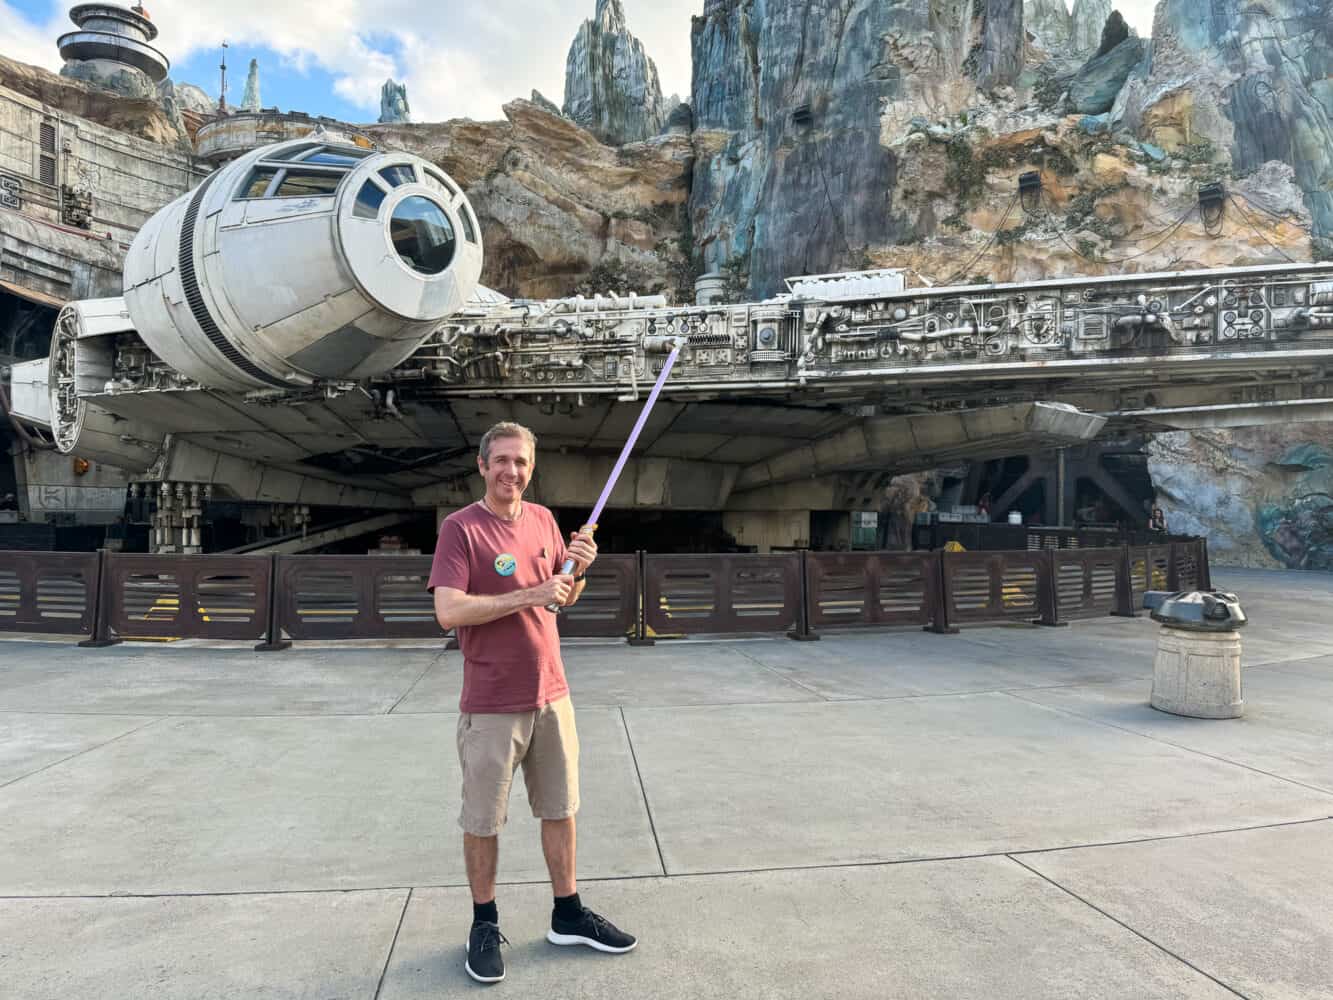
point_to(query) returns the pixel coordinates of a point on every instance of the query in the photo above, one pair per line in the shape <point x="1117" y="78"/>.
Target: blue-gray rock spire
<point x="393" y="103"/>
<point x="1087" y="21"/>
<point x="1096" y="86"/>
<point x="611" y="86"/>
<point x="250" y="99"/>
<point x="1000" y="61"/>
<point x="1049" y="23"/>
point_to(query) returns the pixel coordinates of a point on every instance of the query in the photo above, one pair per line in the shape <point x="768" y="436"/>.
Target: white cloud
<point x="463" y="59"/>
<point x="459" y="59"/>
<point x="32" y="43"/>
<point x="1139" y="14"/>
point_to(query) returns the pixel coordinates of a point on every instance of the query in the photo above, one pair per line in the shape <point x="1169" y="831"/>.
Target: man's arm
<point x="454" y="607"/>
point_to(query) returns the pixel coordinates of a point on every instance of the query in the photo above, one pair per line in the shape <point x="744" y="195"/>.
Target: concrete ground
<point x="997" y="814"/>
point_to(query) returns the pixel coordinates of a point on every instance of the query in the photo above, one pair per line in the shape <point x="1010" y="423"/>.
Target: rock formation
<point x="545" y="103"/>
<point x="1086" y="23"/>
<point x="250" y="98"/>
<point x="393" y="103"/>
<point x="1097" y="84"/>
<point x="1000" y="50"/>
<point x="1252" y="82"/>
<point x="1262" y="495"/>
<point x="559" y="210"/>
<point x="1049" y="23"/>
<point x="805" y="78"/>
<point x="141" y="116"/>
<point x="122" y="80"/>
<point x="187" y="96"/>
<point x="611" y="86"/>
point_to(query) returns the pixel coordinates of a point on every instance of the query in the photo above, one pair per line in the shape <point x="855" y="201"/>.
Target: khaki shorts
<point x="490" y="747"/>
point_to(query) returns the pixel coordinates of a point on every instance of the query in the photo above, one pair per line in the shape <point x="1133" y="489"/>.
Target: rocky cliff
<point x="1263" y="495"/>
<point x="611" y="86"/>
<point x="1085" y="26"/>
<point x="560" y="211"/>
<point x="831" y="134"/>
<point x="1253" y="81"/>
<point x="141" y="116"/>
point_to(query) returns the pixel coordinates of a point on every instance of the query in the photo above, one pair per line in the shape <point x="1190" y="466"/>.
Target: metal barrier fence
<point x="642" y="597"/>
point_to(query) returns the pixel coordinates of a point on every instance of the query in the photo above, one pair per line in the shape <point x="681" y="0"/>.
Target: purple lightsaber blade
<point x="568" y="567"/>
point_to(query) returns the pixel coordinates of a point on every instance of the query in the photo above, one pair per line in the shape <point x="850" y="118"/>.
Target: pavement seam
<point x="1139" y="934"/>
<point x="1169" y="743"/>
<point x="1276" y="665"/>
<point x="412" y="687"/>
<point x="85" y="750"/>
<point x="835" y="866"/>
<point x="388" y="958"/>
<point x="661" y="859"/>
<point x="783" y="677"/>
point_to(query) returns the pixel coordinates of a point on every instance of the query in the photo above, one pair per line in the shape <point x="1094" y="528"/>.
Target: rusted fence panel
<point x="992" y="586"/>
<point x="1187" y="560"/>
<point x="1086" y="581"/>
<point x="356" y="597"/>
<point x="847" y="589"/>
<point x="278" y="598"/>
<point x="729" y="592"/>
<point x="185" y="597"/>
<point x="609" y="605"/>
<point x="49" y="592"/>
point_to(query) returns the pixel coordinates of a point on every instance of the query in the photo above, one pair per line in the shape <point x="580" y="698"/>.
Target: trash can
<point x="1197" y="669"/>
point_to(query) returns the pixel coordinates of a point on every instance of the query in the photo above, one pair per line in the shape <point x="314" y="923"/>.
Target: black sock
<point x="486" y="911"/>
<point x="568" y="907"/>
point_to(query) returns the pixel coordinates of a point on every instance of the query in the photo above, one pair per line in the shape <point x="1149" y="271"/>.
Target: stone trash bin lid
<point x="1196" y="610"/>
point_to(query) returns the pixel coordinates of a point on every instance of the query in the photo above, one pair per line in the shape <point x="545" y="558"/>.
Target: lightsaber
<point x="591" y="525"/>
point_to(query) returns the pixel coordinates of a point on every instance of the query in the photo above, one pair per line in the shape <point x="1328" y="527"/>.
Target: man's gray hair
<point x="506" y="429"/>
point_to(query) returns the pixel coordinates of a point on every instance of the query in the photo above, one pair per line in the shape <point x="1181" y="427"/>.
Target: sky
<point x="459" y="58"/>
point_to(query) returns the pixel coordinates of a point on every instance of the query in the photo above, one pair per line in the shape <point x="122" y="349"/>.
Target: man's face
<point x="509" y="469"/>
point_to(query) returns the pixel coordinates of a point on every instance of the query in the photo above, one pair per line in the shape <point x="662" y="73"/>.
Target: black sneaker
<point x="484" y="963"/>
<point x="593" y="930"/>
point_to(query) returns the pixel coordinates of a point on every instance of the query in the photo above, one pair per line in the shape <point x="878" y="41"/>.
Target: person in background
<point x="1157" y="519"/>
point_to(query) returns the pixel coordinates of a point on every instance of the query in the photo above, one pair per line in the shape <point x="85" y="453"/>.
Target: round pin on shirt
<point x="505" y="564"/>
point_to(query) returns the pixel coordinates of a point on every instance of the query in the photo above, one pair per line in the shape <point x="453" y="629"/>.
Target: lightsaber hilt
<point x="568" y="567"/>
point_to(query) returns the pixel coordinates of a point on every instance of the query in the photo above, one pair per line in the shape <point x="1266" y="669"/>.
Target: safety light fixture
<point x="1212" y="207"/>
<point x="1029" y="191"/>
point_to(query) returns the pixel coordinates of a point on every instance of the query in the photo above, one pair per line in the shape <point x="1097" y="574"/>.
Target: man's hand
<point x="582" y="549"/>
<point x="556" y="590"/>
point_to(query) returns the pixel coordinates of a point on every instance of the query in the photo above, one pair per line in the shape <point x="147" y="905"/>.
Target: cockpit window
<point x="422" y="235"/>
<point x="294" y="153"/>
<point x="465" y="216"/>
<point x="441" y="183"/>
<point x="258" y="183"/>
<point x="308" y="184"/>
<point x="337" y="157"/>
<point x="401" y="173"/>
<point x="368" y="201"/>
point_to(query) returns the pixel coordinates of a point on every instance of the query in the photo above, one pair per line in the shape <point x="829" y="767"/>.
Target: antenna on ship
<point x="222" y="96"/>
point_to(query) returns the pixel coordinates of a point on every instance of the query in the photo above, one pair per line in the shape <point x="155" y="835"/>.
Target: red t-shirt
<point x="513" y="663"/>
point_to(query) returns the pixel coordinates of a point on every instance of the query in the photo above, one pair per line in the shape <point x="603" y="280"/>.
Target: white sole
<point x="482" y="979"/>
<point x="566" y="939"/>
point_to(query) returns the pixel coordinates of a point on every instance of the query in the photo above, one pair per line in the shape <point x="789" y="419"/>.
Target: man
<point x="496" y="570"/>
